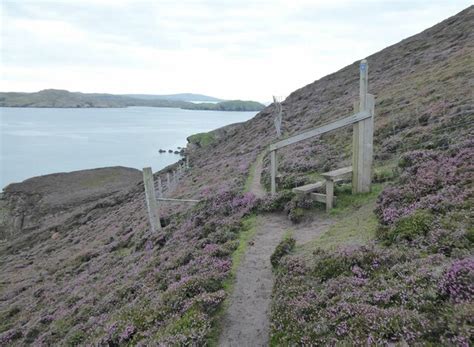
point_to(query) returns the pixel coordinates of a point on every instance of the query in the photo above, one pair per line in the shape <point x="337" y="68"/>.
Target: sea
<point x="40" y="141"/>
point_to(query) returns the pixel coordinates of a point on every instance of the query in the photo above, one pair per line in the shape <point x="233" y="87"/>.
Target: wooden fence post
<point x="160" y="188"/>
<point x="362" y="143"/>
<point x="273" y="169"/>
<point x="151" y="203"/>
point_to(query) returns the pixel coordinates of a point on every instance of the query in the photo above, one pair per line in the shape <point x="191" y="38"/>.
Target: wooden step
<point x="309" y="188"/>
<point x="337" y="175"/>
<point x="320" y="197"/>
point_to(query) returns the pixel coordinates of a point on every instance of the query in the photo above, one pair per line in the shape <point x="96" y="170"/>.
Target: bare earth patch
<point x="246" y="322"/>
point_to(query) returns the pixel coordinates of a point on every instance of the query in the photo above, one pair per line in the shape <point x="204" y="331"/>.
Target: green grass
<point x="355" y="224"/>
<point x="249" y="229"/>
<point x="314" y="177"/>
<point x="202" y="139"/>
<point x="346" y="201"/>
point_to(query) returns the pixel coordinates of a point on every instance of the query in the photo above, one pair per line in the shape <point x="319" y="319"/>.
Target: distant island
<point x="56" y="98"/>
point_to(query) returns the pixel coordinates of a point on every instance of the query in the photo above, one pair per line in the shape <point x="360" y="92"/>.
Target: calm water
<point x="37" y="141"/>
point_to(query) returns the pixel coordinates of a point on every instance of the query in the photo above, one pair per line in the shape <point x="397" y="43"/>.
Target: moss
<point x="283" y="248"/>
<point x="202" y="139"/>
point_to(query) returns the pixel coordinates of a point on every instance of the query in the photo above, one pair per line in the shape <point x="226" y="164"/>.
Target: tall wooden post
<point x="160" y="188"/>
<point x="151" y="204"/>
<point x="363" y="137"/>
<point x="273" y="170"/>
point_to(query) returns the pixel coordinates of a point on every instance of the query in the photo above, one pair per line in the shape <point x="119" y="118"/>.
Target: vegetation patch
<point x="202" y="139"/>
<point x="283" y="248"/>
<point x="411" y="285"/>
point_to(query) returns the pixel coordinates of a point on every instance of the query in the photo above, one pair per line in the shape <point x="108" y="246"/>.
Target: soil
<point x="246" y="322"/>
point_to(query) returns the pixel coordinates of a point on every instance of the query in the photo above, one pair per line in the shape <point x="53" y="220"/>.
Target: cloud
<point x="231" y="49"/>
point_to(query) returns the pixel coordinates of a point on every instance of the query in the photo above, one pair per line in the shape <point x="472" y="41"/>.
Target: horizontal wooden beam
<point x="321" y="130"/>
<point x="177" y="200"/>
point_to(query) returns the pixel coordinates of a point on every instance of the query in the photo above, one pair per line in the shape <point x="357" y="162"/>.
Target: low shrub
<point x="407" y="228"/>
<point x="283" y="248"/>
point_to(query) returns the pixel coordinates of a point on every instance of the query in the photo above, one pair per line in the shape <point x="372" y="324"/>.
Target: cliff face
<point x="53" y="202"/>
<point x="85" y="259"/>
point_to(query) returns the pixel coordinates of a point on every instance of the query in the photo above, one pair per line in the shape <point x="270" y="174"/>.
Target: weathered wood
<point x="273" y="169"/>
<point x="355" y="151"/>
<point x="329" y="194"/>
<point x="321" y="130"/>
<point x="309" y="187"/>
<point x="151" y="204"/>
<point x="160" y="187"/>
<point x="168" y="180"/>
<point x="363" y="151"/>
<point x="363" y="137"/>
<point x="187" y="162"/>
<point x="333" y="175"/>
<point x="320" y="197"/>
<point x="367" y="145"/>
<point x="177" y="200"/>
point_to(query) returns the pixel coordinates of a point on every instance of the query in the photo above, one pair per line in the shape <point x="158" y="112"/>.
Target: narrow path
<point x="255" y="185"/>
<point x="246" y="322"/>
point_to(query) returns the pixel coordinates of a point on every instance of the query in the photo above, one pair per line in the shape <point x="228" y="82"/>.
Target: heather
<point x="413" y="284"/>
<point x="139" y="288"/>
<point x="92" y="273"/>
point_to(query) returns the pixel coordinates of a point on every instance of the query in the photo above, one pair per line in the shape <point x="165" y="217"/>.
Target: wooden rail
<point x="177" y="200"/>
<point x="321" y="130"/>
<point x="362" y="143"/>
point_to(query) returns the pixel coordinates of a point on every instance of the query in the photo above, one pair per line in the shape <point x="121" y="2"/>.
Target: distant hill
<point x="56" y="98"/>
<point x="176" y="97"/>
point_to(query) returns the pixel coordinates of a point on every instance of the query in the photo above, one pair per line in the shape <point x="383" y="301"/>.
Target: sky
<point x="228" y="49"/>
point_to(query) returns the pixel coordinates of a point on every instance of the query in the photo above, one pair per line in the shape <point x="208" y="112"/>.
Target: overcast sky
<point x="228" y="49"/>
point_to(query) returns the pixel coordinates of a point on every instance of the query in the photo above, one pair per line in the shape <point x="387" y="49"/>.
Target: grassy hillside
<point x="65" y="99"/>
<point x="101" y="277"/>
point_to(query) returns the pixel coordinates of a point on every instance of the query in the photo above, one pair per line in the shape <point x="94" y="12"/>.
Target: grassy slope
<point x="106" y="268"/>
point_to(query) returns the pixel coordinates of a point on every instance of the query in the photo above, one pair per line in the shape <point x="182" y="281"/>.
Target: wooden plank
<point x="273" y="169"/>
<point x="329" y="195"/>
<point x="361" y="138"/>
<point x="151" y="204"/>
<point x="321" y="130"/>
<point x="332" y="175"/>
<point x="318" y="197"/>
<point x="368" y="151"/>
<point x="177" y="200"/>
<point x="309" y="187"/>
<point x="355" y="150"/>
